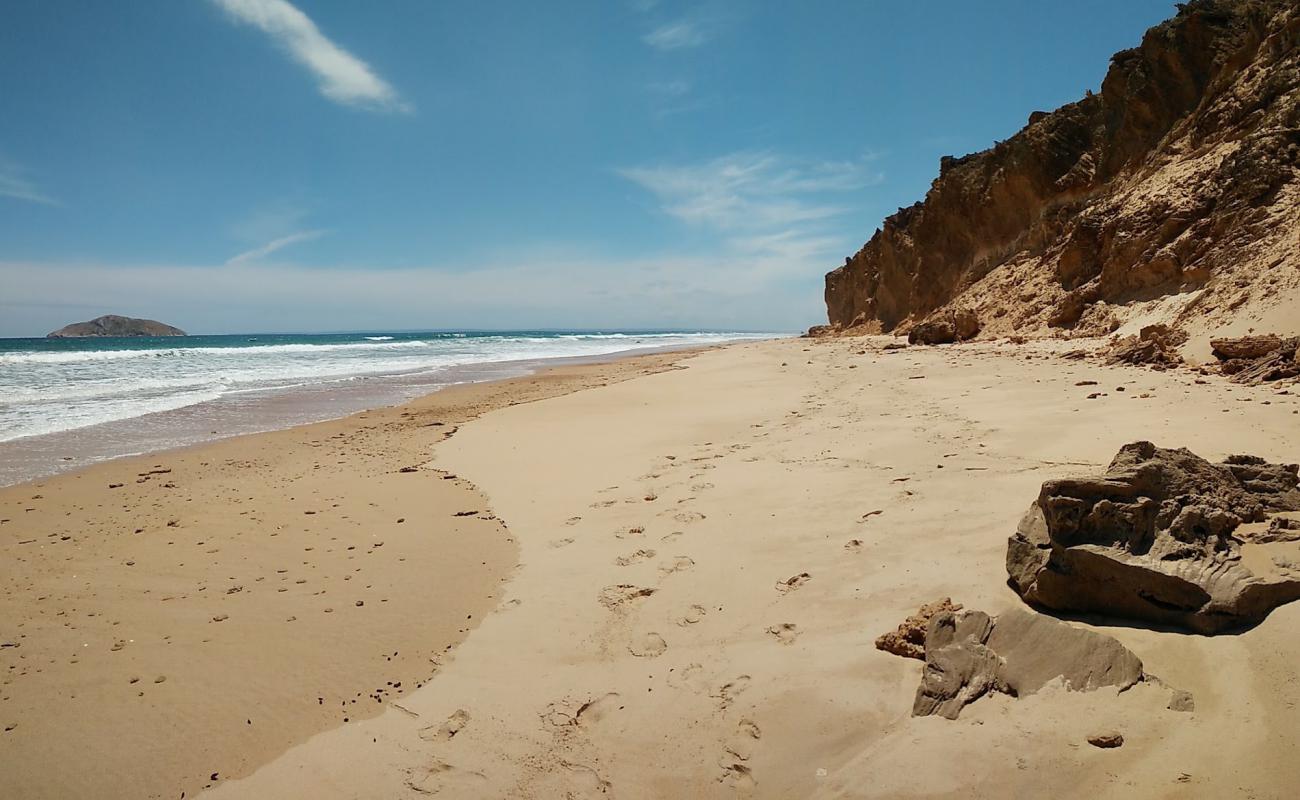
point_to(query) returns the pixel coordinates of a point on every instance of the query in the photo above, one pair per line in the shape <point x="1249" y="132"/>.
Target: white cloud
<point x="675" y="36"/>
<point x="258" y="253"/>
<point x="763" y="207"/>
<point x="742" y="290"/>
<point x="14" y="184"/>
<point x="750" y="190"/>
<point x="342" y="77"/>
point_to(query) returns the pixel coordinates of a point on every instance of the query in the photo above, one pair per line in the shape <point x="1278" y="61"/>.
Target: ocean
<point x="68" y="402"/>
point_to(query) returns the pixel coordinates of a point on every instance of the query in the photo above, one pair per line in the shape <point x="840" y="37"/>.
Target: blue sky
<point x="256" y="165"/>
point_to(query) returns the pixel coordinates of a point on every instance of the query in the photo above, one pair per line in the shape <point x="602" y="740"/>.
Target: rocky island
<point x="114" y="325"/>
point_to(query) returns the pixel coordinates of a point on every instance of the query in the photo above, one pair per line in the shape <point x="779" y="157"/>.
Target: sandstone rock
<point x="817" y="331"/>
<point x="1249" y="347"/>
<point x="908" y="640"/>
<point x="954" y="325"/>
<point x="968" y="654"/>
<point x="1153" y="539"/>
<point x="1113" y="198"/>
<point x="1106" y="739"/>
<point x="1255" y="362"/>
<point x="1155" y="345"/>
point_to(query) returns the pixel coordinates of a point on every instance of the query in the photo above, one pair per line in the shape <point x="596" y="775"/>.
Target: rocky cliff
<point x="1172" y="193"/>
<point x="113" y="325"/>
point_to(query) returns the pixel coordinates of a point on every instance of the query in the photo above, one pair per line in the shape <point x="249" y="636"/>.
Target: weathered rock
<point x="1249" y="347"/>
<point x="953" y="325"/>
<point x="968" y="654"/>
<point x="1106" y="739"/>
<point x="113" y="325"/>
<point x="1179" y="175"/>
<point x="908" y="640"/>
<point x="1153" y="539"/>
<point x="817" y="331"/>
<point x="1155" y="345"/>
<point x="1255" y="361"/>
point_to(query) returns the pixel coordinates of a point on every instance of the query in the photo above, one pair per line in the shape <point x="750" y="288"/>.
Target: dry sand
<point x="706" y="554"/>
<point x="170" y="621"/>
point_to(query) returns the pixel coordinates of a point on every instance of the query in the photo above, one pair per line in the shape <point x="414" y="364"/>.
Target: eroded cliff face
<point x="1173" y="188"/>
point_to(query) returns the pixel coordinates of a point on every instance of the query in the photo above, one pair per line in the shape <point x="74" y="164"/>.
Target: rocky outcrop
<point x="1155" y="345"/>
<point x="969" y="654"/>
<point x="1179" y="177"/>
<point x="1161" y="538"/>
<point x="946" y="327"/>
<point x="1258" y="359"/>
<point x="113" y="325"/>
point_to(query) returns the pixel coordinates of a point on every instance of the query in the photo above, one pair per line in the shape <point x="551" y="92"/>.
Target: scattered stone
<point x="1155" y="539"/>
<point x="1106" y="739"/>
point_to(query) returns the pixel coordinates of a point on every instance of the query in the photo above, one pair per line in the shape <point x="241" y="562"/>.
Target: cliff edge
<point x="113" y="325"/>
<point x="1170" y="196"/>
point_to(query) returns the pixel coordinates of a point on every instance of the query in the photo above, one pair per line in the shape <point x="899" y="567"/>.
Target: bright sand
<point x="650" y="642"/>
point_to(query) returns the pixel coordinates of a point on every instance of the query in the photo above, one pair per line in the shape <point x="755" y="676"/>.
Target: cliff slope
<point x="1172" y="195"/>
<point x="113" y="325"/>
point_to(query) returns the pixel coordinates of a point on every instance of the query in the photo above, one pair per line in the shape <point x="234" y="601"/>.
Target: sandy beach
<point x="653" y="596"/>
<point x="170" y="621"/>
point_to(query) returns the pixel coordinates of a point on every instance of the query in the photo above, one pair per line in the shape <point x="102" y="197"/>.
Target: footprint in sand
<point x="651" y="645"/>
<point x="678" y="564"/>
<point x="633" y="558"/>
<point x="693" y="615"/>
<point x="593" y="711"/>
<point x="441" y="777"/>
<point x="620" y="595"/>
<point x="793" y="582"/>
<point x="737" y="753"/>
<point x="447" y="730"/>
<point x="729" y="691"/>
<point x="628" y="533"/>
<point x="558" y="543"/>
<point x="785" y="633"/>
<point x="853" y="545"/>
<point x="691" y="676"/>
<point x="670" y="537"/>
<point x="688" y="517"/>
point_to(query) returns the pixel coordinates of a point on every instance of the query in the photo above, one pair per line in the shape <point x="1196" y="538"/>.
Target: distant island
<point x="113" y="325"/>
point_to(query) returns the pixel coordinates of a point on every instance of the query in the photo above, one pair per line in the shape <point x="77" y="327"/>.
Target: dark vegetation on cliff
<point x="1169" y="195"/>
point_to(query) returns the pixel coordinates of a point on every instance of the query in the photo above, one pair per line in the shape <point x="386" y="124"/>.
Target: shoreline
<point x="300" y="578"/>
<point x="187" y="426"/>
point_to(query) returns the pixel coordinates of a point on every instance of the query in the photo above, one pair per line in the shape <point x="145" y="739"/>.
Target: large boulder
<point x="1161" y="537"/>
<point x="969" y="654"/>
<point x="953" y="325"/>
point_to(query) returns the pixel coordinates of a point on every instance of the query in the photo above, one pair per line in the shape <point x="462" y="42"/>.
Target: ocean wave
<point x="91" y="356"/>
<point x="379" y="338"/>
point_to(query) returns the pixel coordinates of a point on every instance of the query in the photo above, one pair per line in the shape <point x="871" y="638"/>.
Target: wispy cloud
<point x="15" y="184"/>
<point x="751" y="190"/>
<point x="341" y="76"/>
<point x="259" y="253"/>
<point x="676" y="35"/>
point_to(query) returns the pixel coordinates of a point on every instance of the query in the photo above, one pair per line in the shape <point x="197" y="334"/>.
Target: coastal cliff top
<point x="114" y="325"/>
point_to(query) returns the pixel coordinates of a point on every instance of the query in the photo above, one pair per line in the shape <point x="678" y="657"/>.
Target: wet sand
<point x="172" y="621"/>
